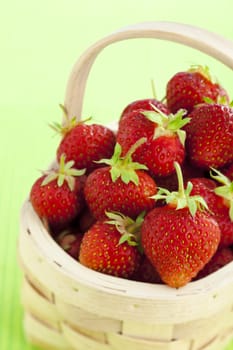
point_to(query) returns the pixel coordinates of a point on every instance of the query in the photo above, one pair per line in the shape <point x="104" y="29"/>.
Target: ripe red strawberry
<point x="145" y="105"/>
<point x="121" y="186"/>
<point x="218" y="207"/>
<point x="205" y="187"/>
<point x="209" y="136"/>
<point x="221" y="258"/>
<point x="85" y="143"/>
<point x="57" y="197"/>
<point x="165" y="139"/>
<point x="133" y="126"/>
<point x="190" y="88"/>
<point x="146" y="272"/>
<point x="181" y="237"/>
<point x="220" y="202"/>
<point x="170" y="182"/>
<point x="110" y="246"/>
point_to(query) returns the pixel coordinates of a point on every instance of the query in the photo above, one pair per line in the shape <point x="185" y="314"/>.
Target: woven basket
<point x="68" y="306"/>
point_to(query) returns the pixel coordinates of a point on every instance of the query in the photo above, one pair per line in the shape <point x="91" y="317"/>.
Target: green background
<point x="39" y="42"/>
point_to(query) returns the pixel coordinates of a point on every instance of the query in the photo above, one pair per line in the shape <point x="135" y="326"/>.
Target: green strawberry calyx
<point x="168" y="124"/>
<point x="225" y="191"/>
<point x="123" y="166"/>
<point x="221" y="100"/>
<point x="203" y="70"/>
<point x="182" y="198"/>
<point x="129" y="229"/>
<point x="222" y="97"/>
<point x="68" y="123"/>
<point x="64" y="172"/>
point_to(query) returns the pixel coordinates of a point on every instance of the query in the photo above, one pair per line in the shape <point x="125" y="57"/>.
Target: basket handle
<point x="198" y="38"/>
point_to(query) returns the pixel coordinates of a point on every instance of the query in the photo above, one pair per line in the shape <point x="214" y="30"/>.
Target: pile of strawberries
<point x="153" y="201"/>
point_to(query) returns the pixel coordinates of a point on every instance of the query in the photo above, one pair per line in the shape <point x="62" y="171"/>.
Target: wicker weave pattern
<point x="68" y="327"/>
<point x="68" y="306"/>
<point x="57" y="319"/>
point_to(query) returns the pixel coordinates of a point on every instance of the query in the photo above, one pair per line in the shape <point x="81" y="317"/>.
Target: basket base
<point x="40" y="334"/>
<point x="70" y="315"/>
<point x="46" y="328"/>
<point x="47" y="338"/>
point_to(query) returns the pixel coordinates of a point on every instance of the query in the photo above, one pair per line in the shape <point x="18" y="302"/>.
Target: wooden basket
<point x="68" y="306"/>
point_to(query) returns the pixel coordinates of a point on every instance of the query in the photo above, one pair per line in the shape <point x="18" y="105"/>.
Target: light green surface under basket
<point x="39" y="41"/>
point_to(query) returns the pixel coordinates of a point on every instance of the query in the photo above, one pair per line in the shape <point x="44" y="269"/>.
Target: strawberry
<point x="205" y="187"/>
<point x="146" y="104"/>
<point x="181" y="237"/>
<point x="133" y="126"/>
<point x="110" y="246"/>
<point x="217" y="205"/>
<point x="170" y="182"/>
<point x="146" y="272"/>
<point x="70" y="240"/>
<point x="221" y="258"/>
<point x="224" y="211"/>
<point x="57" y="196"/>
<point x="165" y="139"/>
<point x="209" y="136"/>
<point x="85" y="143"/>
<point x="190" y="88"/>
<point x="122" y="185"/>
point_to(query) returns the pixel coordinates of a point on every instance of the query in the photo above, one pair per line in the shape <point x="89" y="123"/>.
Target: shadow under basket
<point x="68" y="306"/>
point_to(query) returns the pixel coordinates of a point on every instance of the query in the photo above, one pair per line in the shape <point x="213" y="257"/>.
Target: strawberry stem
<point x="153" y="89"/>
<point x="180" y="180"/>
<point x="138" y="143"/>
<point x="68" y="124"/>
<point x="181" y="199"/>
<point x="64" y="109"/>
<point x="129" y="229"/>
